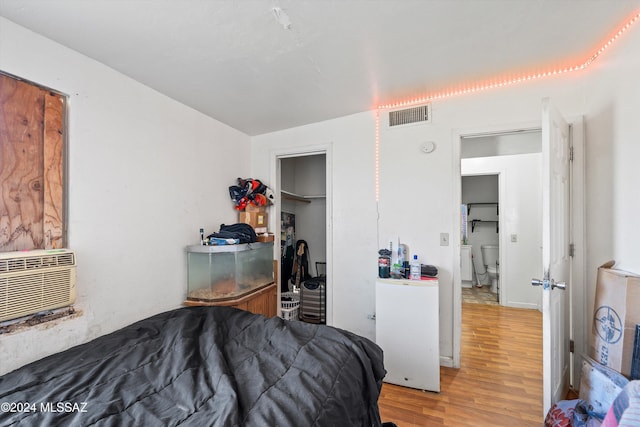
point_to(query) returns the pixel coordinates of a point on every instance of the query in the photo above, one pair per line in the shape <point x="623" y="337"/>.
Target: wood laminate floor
<point x="499" y="382"/>
<point x="482" y="295"/>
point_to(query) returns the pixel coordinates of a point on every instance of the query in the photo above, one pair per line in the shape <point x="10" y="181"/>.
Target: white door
<point x="555" y="255"/>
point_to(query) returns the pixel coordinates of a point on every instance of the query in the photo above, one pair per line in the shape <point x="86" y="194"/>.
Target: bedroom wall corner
<point x="145" y="173"/>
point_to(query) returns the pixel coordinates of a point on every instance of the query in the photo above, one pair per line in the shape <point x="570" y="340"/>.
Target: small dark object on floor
<point x="389" y="424"/>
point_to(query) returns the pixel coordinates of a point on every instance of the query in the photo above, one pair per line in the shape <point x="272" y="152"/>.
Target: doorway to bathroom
<point x="480" y="213"/>
<point x="501" y="216"/>
<point x="493" y="150"/>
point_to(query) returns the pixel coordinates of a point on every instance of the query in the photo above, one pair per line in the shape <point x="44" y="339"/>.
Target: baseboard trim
<point x="530" y="306"/>
<point x="446" y="361"/>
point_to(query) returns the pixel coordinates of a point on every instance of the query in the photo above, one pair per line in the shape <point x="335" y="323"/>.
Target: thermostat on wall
<point x="428" y="147"/>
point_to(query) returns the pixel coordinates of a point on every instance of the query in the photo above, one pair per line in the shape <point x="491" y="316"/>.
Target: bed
<point x="203" y="366"/>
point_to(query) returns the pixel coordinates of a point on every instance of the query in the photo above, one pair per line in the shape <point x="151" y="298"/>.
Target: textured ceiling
<point x="261" y="66"/>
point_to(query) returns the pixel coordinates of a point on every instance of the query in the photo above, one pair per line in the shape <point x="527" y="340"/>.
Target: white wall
<point x="145" y="173"/>
<point x="520" y="215"/>
<point x="528" y="141"/>
<point x="417" y="190"/>
<point x="613" y="151"/>
<point x="353" y="265"/>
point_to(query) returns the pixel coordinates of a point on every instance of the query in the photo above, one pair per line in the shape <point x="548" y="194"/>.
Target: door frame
<point x="276" y="156"/>
<point x="579" y="322"/>
<point x="458" y="135"/>
<point x="580" y="325"/>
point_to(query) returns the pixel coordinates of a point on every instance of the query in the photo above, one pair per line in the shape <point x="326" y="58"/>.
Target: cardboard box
<point x="599" y="386"/>
<point x="265" y="238"/>
<point x="616" y="314"/>
<point x="254" y="208"/>
<point x="258" y="220"/>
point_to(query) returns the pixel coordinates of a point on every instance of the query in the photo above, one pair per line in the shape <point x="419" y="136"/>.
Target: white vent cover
<point x="421" y="114"/>
<point x="35" y="281"/>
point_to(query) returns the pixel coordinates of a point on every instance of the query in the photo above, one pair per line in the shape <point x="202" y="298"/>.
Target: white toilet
<point x="490" y="261"/>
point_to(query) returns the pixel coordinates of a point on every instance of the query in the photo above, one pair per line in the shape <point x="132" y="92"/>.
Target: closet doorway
<point x="303" y="213"/>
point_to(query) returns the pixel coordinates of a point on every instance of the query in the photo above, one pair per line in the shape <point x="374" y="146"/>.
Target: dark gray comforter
<point x="203" y="366"/>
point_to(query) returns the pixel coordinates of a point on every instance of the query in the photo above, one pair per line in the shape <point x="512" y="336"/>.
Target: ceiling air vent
<point x="420" y="114"/>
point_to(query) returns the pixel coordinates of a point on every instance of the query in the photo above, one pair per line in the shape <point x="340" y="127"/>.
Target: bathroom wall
<point x="520" y="221"/>
<point x="527" y="141"/>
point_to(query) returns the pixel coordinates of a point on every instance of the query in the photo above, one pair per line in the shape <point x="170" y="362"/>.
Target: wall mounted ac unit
<point x="35" y="281"/>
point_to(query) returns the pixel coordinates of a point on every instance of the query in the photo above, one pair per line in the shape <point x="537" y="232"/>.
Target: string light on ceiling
<point x="554" y="71"/>
<point x="479" y="87"/>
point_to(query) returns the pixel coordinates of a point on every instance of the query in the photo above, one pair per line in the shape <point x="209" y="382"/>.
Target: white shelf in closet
<point x="287" y="195"/>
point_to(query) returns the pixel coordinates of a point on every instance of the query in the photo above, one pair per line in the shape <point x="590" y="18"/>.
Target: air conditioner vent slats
<point x="35" y="282"/>
<point x="29" y="262"/>
<point x="410" y="115"/>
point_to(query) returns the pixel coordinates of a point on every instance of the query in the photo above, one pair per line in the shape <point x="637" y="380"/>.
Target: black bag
<point x="428" y="270"/>
<point x="241" y="231"/>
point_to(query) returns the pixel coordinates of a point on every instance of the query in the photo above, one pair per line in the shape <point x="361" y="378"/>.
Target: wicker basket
<point x="290" y="313"/>
<point x="294" y="300"/>
<point x="290" y="309"/>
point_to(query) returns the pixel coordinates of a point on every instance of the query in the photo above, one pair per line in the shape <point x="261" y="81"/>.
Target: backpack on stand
<point x="313" y="298"/>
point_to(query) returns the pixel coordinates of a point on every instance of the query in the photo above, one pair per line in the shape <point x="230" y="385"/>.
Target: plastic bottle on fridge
<point x="415" y="269"/>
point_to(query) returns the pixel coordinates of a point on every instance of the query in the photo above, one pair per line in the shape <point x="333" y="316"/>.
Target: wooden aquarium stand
<point x="261" y="301"/>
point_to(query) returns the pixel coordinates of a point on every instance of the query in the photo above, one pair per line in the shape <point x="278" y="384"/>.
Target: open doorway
<point x="513" y="227"/>
<point x="303" y="215"/>
<point x="480" y="216"/>
<point x="495" y="151"/>
<point x="500" y="189"/>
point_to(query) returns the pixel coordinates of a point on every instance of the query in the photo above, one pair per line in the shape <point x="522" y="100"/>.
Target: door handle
<point x="559" y="285"/>
<point x="546" y="284"/>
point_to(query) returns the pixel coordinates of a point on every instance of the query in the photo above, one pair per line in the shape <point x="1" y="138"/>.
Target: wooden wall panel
<point x="27" y="146"/>
<point x="53" y="218"/>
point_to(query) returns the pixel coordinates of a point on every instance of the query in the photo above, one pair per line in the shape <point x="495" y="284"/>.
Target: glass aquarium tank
<point x="218" y="273"/>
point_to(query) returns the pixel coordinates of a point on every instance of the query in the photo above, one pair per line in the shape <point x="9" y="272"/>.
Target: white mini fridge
<point x="407" y="330"/>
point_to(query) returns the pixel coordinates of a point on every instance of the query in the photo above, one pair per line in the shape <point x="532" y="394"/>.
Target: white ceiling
<point x="266" y="65"/>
